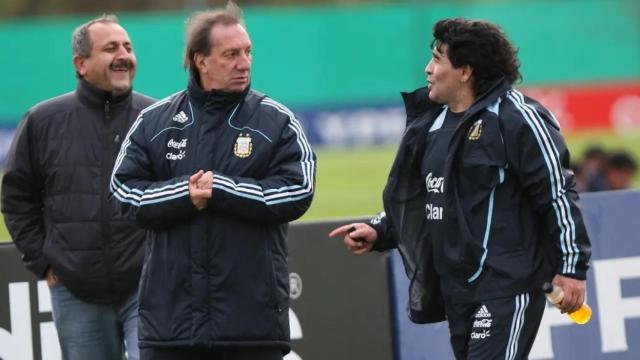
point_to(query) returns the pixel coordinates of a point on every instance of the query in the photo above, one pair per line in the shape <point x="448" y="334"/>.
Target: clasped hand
<point x="200" y="188"/>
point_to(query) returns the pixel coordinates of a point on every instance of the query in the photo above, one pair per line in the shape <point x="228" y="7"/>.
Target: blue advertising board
<point x="613" y="292"/>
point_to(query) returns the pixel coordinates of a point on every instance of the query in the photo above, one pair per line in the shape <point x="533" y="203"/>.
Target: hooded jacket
<point x="216" y="277"/>
<point x="55" y="193"/>
<point x="510" y="211"/>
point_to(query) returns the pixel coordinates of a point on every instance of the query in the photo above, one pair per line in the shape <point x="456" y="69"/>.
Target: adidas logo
<point x="483" y="313"/>
<point x="180" y="117"/>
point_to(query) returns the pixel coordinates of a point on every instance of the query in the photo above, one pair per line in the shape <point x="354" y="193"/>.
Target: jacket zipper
<point x="104" y="196"/>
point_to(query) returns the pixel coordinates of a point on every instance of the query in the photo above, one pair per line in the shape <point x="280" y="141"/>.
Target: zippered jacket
<point x="216" y="277"/>
<point x="511" y="211"/>
<point x="55" y="193"/>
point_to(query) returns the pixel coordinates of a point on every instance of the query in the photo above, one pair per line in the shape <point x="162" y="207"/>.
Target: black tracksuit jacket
<point x="510" y="212"/>
<point x="55" y="193"/>
<point x="216" y="277"/>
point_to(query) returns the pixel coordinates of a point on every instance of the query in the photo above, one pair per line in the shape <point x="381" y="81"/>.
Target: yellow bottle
<point x="555" y="296"/>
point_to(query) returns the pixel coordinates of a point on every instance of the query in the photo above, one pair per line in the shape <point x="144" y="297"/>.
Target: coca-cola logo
<point x="177" y="144"/>
<point x="434" y="184"/>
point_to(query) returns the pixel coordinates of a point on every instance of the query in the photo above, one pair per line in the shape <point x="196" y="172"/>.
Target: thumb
<point x="195" y="177"/>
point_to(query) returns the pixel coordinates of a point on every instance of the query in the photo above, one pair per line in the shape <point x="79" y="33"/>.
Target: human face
<point x="619" y="179"/>
<point x="446" y="83"/>
<point x="228" y="66"/>
<point x="111" y="65"/>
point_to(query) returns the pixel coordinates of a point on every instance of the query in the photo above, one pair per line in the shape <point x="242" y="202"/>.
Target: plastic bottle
<point x="555" y="296"/>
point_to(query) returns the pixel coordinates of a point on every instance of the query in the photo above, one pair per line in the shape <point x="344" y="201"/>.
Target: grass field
<point x="350" y="181"/>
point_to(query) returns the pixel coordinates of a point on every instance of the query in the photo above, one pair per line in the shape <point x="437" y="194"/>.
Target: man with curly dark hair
<point x="480" y="200"/>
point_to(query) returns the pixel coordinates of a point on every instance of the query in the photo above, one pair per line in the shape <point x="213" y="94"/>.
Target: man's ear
<point x="467" y="71"/>
<point x="199" y="60"/>
<point x="79" y="63"/>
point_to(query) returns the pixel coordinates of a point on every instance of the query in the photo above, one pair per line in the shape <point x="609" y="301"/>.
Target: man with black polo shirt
<point x="480" y="201"/>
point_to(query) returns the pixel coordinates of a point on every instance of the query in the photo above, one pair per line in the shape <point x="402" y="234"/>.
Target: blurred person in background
<point x="480" y="202"/>
<point x="55" y="198"/>
<point x="215" y="173"/>
<point x="620" y="169"/>
<point x="593" y="169"/>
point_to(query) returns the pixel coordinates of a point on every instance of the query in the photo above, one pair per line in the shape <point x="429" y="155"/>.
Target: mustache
<point x="121" y="65"/>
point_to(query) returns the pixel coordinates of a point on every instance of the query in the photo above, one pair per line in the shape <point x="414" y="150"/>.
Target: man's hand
<point x="574" y="293"/>
<point x="358" y="237"/>
<point x="198" y="191"/>
<point x="52" y="279"/>
<point x="206" y="181"/>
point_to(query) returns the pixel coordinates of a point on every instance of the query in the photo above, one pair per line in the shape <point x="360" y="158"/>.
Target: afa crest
<point x="476" y="130"/>
<point x="243" y="146"/>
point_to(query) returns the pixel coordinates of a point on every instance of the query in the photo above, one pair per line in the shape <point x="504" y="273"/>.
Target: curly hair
<point x="481" y="45"/>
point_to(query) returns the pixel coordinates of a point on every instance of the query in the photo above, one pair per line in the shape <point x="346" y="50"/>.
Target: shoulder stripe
<point x="138" y="197"/>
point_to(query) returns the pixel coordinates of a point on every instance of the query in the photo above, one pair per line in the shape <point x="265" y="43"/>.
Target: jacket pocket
<point x="278" y="279"/>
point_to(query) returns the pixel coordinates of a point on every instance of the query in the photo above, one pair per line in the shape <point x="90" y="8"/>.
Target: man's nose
<point x="245" y="62"/>
<point x="429" y="68"/>
<point x="123" y="52"/>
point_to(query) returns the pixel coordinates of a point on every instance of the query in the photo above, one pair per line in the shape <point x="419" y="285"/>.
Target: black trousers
<point x="503" y="328"/>
<point x="195" y="353"/>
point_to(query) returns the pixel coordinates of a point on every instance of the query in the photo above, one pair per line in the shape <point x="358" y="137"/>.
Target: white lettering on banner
<point x="434" y="184"/>
<point x="613" y="309"/>
<point x="49" y="345"/>
<point x="543" y="345"/>
<point x="625" y="114"/>
<point x="17" y="344"/>
<point x="433" y="212"/>
<point x="295" y="330"/>
<point x="360" y="127"/>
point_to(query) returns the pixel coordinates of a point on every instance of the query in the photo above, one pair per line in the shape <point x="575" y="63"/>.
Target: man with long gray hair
<point x="55" y="198"/>
<point x="215" y="173"/>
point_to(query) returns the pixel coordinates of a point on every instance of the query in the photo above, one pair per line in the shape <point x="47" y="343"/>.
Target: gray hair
<point x="80" y="39"/>
<point x="199" y="25"/>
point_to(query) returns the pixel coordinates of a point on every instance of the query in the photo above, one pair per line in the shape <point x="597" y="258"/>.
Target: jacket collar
<point x="417" y="102"/>
<point x="498" y="88"/>
<point x="93" y="97"/>
<point x="213" y="100"/>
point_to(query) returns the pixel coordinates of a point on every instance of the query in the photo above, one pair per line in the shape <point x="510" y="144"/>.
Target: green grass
<point x="350" y="181"/>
